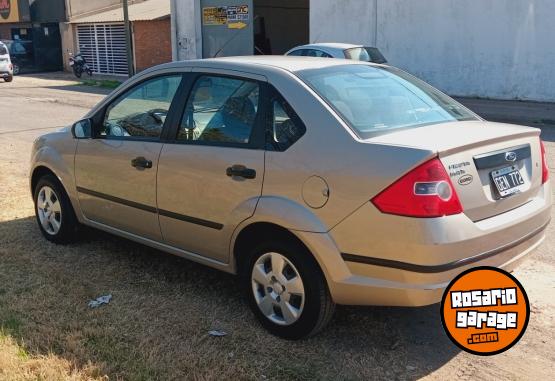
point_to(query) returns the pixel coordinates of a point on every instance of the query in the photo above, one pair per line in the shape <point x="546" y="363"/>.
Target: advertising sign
<point x="9" y="11"/>
<point x="232" y="15"/>
<point x="213" y="15"/>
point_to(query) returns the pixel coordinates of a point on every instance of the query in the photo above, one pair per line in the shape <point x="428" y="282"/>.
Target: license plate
<point x="507" y="180"/>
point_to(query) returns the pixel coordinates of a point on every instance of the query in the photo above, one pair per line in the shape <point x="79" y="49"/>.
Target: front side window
<point x="220" y="110"/>
<point x="141" y="111"/>
<point x="373" y="99"/>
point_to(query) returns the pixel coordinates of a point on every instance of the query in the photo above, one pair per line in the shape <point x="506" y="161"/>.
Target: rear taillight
<point x="11" y="67"/>
<point x="545" y="168"/>
<point x="426" y="191"/>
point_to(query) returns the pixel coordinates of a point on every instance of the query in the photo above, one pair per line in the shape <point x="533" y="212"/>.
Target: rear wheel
<point x="55" y="215"/>
<point x="8" y="78"/>
<point x="286" y="290"/>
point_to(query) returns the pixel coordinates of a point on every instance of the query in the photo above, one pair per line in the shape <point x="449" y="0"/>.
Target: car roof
<point x="332" y="45"/>
<point x="258" y="63"/>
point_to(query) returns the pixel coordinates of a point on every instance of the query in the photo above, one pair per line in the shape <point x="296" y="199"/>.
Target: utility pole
<point x="130" y="67"/>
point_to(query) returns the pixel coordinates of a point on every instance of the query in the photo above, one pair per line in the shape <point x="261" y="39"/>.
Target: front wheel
<point x="286" y="290"/>
<point x="77" y="72"/>
<point x="53" y="210"/>
<point x="8" y="78"/>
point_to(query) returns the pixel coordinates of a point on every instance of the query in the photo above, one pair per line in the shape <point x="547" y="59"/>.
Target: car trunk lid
<point x="494" y="167"/>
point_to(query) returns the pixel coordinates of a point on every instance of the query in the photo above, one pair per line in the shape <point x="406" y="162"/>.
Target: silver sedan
<point x="317" y="181"/>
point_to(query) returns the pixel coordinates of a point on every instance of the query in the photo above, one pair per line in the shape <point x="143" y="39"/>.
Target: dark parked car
<point x="21" y="52"/>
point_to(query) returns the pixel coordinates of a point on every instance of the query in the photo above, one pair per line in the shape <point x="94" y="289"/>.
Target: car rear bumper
<point x="369" y="263"/>
<point x="5" y="74"/>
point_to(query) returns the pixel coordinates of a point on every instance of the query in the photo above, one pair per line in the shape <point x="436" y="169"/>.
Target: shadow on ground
<point x="163" y="306"/>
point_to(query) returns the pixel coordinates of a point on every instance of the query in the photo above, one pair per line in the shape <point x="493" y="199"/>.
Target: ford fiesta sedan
<point x="317" y="181"/>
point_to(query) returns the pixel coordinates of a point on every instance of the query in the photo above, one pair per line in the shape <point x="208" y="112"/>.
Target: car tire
<point x="8" y="78"/>
<point x="53" y="210"/>
<point x="15" y="69"/>
<point x="308" y="306"/>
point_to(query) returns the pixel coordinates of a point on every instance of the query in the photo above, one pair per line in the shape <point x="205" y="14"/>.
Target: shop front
<point x="32" y="33"/>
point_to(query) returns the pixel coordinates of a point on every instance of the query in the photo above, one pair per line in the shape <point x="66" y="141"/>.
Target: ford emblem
<point x="510" y="156"/>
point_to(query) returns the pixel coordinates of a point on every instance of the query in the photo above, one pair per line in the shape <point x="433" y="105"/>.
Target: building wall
<point x="67" y="33"/>
<point x="186" y="29"/>
<point x="152" y="43"/>
<point x="491" y="48"/>
<point x="285" y="22"/>
<point x="5" y="31"/>
<point x="47" y="10"/>
<point x="79" y="7"/>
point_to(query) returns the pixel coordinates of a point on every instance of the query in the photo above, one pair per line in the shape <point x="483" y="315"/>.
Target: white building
<point x="489" y="48"/>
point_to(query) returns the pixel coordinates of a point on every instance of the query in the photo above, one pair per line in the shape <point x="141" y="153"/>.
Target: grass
<point x="156" y="326"/>
<point x="103" y="83"/>
<point x="16" y="364"/>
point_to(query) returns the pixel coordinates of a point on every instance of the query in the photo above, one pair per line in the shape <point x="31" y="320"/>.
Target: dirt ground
<point x="163" y="306"/>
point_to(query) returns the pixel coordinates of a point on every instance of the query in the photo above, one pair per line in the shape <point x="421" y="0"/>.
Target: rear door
<point x="210" y="175"/>
<point x="115" y="172"/>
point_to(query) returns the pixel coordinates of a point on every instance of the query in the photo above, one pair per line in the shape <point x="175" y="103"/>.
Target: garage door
<point x="103" y="46"/>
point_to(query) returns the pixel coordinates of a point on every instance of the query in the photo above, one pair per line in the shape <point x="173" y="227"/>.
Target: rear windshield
<point x="358" y="54"/>
<point x="375" y="55"/>
<point x="374" y="99"/>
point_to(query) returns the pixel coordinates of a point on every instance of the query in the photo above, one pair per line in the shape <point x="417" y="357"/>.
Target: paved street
<point x="163" y="305"/>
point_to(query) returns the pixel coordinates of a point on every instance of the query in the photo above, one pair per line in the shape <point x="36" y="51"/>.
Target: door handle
<point x="141" y="162"/>
<point x="238" y="170"/>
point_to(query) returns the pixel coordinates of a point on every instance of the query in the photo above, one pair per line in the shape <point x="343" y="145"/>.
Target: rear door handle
<point x="238" y="170"/>
<point x="141" y="162"/>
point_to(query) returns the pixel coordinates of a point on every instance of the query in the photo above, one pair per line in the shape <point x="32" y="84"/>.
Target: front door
<point x="115" y="172"/>
<point x="210" y="175"/>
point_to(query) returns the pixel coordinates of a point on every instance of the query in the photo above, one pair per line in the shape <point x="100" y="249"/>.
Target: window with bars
<point x="103" y="46"/>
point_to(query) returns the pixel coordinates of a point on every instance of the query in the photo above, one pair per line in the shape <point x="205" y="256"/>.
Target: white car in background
<point x="339" y="50"/>
<point x="6" y="67"/>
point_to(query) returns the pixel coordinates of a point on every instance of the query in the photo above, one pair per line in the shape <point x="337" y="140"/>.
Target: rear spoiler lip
<point x="529" y="133"/>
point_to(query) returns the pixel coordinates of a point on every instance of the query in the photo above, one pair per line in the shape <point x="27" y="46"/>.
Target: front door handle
<point x="141" y="162"/>
<point x="238" y="170"/>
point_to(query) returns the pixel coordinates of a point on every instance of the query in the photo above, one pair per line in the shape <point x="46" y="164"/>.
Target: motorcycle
<point x="79" y="65"/>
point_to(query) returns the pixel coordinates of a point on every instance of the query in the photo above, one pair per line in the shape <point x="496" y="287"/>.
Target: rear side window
<point x="220" y="110"/>
<point x="299" y="52"/>
<point x="3" y="50"/>
<point x="141" y="111"/>
<point x="285" y="125"/>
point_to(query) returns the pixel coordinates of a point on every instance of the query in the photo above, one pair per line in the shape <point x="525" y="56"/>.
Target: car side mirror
<point x="82" y="129"/>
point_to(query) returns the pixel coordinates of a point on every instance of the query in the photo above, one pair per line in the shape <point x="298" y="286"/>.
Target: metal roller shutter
<point x="103" y="46"/>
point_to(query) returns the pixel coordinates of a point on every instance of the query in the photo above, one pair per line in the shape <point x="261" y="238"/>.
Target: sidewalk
<point x="535" y="114"/>
<point x="69" y="76"/>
